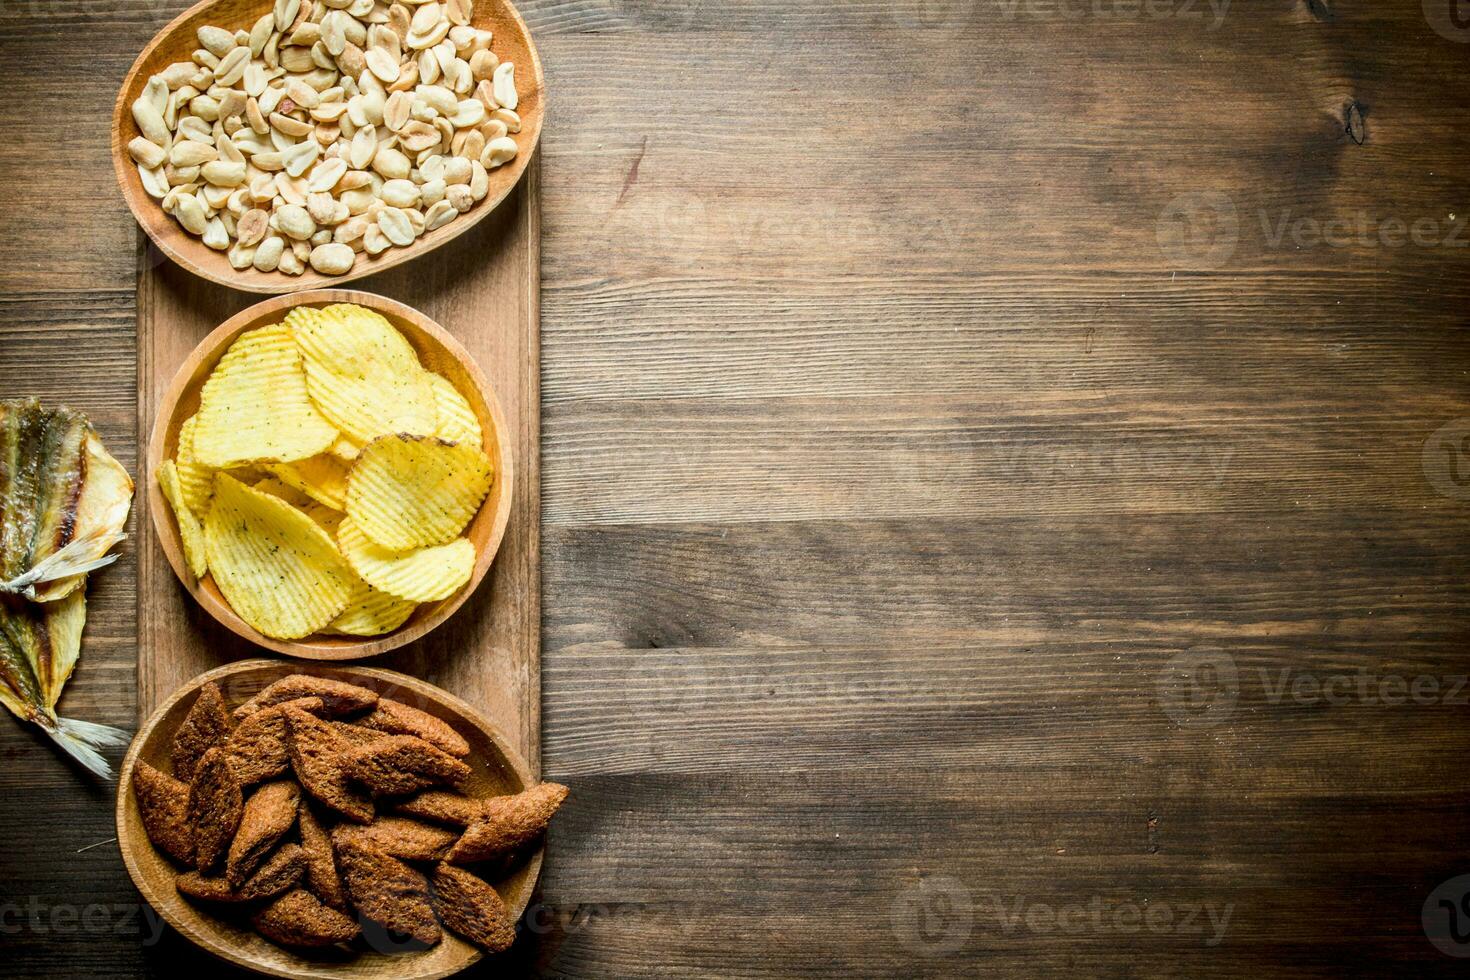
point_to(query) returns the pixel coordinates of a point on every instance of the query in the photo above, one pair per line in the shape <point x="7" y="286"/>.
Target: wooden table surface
<point x="1004" y="501"/>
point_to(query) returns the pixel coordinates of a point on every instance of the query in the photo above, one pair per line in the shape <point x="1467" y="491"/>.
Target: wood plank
<point x="484" y="288"/>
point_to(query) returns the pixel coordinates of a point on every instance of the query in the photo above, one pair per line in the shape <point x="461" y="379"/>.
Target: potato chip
<point x="322" y="478"/>
<point x="254" y="407"/>
<point x="372" y="613"/>
<point x="277" y="487"/>
<point x="345" y="449"/>
<point x="424" y="575"/>
<point x="457" y="421"/>
<point x="195" y="480"/>
<point x="278" y="570"/>
<point x="362" y="373"/>
<point x="191" y="532"/>
<point x="408" y="492"/>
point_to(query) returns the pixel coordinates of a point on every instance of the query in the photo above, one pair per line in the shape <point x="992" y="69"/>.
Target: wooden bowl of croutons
<point x="314" y="821"/>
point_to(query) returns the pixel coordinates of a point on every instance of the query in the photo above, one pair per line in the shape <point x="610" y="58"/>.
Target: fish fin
<point x="75" y="559"/>
<point x="82" y="740"/>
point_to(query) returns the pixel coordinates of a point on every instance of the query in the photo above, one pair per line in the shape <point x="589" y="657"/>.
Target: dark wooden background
<point x="928" y="384"/>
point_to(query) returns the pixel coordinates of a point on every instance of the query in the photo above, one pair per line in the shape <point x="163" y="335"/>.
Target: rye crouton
<point x="406" y="839"/>
<point x="281" y="871"/>
<point x="440" y="806"/>
<point x="215" y="808"/>
<point x="205" y="726"/>
<point x="321" y="865"/>
<point x="299" y="919"/>
<point x="471" y="908"/>
<point x="338" y="697"/>
<point x="385" y="890"/>
<point x="355" y="734"/>
<point x="257" y="748"/>
<point x="508" y="823"/>
<point x="317" y="754"/>
<point x="163" y="803"/>
<point x="396" y="718"/>
<point x="400" y="764"/>
<point x="269" y="813"/>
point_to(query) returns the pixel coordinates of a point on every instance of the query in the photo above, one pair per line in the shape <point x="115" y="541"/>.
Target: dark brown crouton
<point x="269" y="813"/>
<point x="321" y="865"/>
<point x="407" y="839"/>
<point x="163" y="803"/>
<point x="385" y="890"/>
<point x="206" y="725"/>
<point x="215" y="808"/>
<point x="443" y="807"/>
<point x="355" y="734"/>
<point x="471" y="908"/>
<point x="257" y="748"/>
<point x="338" y="697"/>
<point x="397" y="718"/>
<point x="298" y="919"/>
<point x="280" y="872"/>
<point x="508" y="823"/>
<point x="398" y="764"/>
<point x="317" y="755"/>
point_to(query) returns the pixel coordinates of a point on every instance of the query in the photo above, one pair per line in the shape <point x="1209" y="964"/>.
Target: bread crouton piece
<point x="385" y="890"/>
<point x="280" y="872"/>
<point x="321" y="864"/>
<point x="508" y="823"/>
<point x="257" y="748"/>
<point x="471" y="908"/>
<point x="269" y="814"/>
<point x="317" y="755"/>
<point x="205" y="726"/>
<point x="406" y="839"/>
<point x="163" y="803"/>
<point x="355" y="734"/>
<point x="338" y="697"/>
<point x="298" y="918"/>
<point x="444" y="807"/>
<point x="399" y="764"/>
<point x="396" y="718"/>
<point x="216" y="805"/>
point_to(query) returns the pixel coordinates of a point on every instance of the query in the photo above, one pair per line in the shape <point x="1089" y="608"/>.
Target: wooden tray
<point x="483" y="287"/>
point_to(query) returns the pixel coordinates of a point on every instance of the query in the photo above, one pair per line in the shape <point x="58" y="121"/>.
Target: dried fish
<point x="39" y="646"/>
<point x="63" y="500"/>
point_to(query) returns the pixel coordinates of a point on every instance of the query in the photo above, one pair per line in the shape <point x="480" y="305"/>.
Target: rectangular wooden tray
<point x="484" y="287"/>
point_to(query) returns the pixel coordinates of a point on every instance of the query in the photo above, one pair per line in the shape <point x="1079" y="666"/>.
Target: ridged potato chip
<point x="408" y="492"/>
<point x="457" y="421"/>
<point x="372" y="613"/>
<point x="362" y="373"/>
<point x="345" y="449"/>
<point x="277" y="487"/>
<point x="276" y="567"/>
<point x="424" y="575"/>
<point x="254" y="407"/>
<point x="191" y="532"/>
<point x="322" y="478"/>
<point x="196" y="481"/>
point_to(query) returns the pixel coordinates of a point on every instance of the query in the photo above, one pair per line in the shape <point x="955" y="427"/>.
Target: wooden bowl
<point x="439" y="352"/>
<point x="178" y="41"/>
<point x="498" y="769"/>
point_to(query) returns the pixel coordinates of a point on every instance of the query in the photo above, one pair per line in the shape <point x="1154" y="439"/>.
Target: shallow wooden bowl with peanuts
<point x="177" y="43"/>
<point x="495" y="770"/>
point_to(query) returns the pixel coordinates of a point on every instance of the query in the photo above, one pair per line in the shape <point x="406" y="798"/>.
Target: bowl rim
<point x="130" y="185"/>
<point x="338" y="648"/>
<point x="126" y="801"/>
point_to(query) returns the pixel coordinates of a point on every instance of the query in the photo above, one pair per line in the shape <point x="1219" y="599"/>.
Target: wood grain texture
<point x="891" y="461"/>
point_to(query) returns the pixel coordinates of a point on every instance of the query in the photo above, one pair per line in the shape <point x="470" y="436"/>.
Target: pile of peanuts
<point x="329" y="129"/>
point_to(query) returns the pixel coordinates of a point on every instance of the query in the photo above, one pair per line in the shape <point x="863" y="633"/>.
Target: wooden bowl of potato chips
<point x="330" y="474"/>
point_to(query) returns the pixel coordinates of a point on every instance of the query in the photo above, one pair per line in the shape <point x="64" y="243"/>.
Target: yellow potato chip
<point x="277" y="487"/>
<point x="322" y="478"/>
<point x="195" y="480"/>
<point x="278" y="570"/>
<point x="254" y="407"/>
<point x="409" y="492"/>
<point x="191" y="532"/>
<point x="372" y="613"/>
<point x="457" y="421"/>
<point x="361" y="373"/>
<point x="345" y="449"/>
<point x="424" y="575"/>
